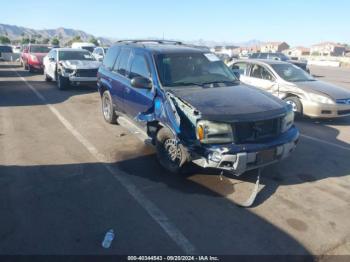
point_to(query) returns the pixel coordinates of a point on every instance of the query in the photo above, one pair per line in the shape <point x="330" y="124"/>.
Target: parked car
<point x="84" y="45"/>
<point x="307" y="95"/>
<point x="99" y="53"/>
<point x="281" y="57"/>
<point x="32" y="57"/>
<point x="5" y="49"/>
<point x="17" y="49"/>
<point x="69" y="66"/>
<point x="193" y="108"/>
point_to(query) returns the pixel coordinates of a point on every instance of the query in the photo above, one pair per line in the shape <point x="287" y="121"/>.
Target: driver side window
<point x="261" y="72"/>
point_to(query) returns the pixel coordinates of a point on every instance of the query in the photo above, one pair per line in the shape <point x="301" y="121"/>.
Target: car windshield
<point x="291" y="73"/>
<point x="5" y="49"/>
<point x="279" y="56"/>
<point x="75" y="55"/>
<point x="39" y="49"/>
<point x="181" y="69"/>
<point x="88" y="48"/>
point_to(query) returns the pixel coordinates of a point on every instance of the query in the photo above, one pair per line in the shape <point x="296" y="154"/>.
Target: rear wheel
<point x="296" y="104"/>
<point x="171" y="154"/>
<point x="31" y="69"/>
<point x="108" y="109"/>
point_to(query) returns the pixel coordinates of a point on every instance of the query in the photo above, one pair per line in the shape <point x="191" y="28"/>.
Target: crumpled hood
<point x="335" y="92"/>
<point x="232" y="104"/>
<point x="81" y="64"/>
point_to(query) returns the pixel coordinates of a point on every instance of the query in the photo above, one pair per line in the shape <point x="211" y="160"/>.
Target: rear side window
<point x="241" y="68"/>
<point x="263" y="56"/>
<point x="110" y="57"/>
<point x="121" y="66"/>
<point x="139" y="67"/>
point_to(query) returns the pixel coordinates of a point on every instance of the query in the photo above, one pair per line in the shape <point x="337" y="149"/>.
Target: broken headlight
<point x="214" y="133"/>
<point x="68" y="70"/>
<point x="287" y="121"/>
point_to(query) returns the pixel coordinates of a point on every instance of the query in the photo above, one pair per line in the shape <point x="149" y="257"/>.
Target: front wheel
<point x="108" y="109"/>
<point x="62" y="82"/>
<point x="171" y="154"/>
<point x="296" y="104"/>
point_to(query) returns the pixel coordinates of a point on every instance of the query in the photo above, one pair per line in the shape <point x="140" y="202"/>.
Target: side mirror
<point x="51" y="59"/>
<point x="141" y="82"/>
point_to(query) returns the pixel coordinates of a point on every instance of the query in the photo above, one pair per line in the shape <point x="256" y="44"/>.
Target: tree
<point x="55" y="41"/>
<point x="5" y="40"/>
<point x="94" y="41"/>
<point x="45" y="41"/>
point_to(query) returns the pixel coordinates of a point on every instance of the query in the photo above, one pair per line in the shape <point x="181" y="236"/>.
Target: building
<point x="227" y="50"/>
<point x="273" y="47"/>
<point x="297" y="51"/>
<point x="246" y="50"/>
<point x="328" y="49"/>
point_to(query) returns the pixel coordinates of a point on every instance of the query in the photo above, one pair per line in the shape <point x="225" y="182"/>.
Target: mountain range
<point x="65" y="34"/>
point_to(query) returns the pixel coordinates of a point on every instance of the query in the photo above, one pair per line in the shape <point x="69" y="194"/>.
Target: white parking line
<point x="173" y="232"/>
<point x="325" y="142"/>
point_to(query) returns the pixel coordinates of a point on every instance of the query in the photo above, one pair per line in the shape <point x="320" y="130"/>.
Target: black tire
<point x="26" y="66"/>
<point x="31" y="69"/>
<point x="62" y="82"/>
<point x="47" y="78"/>
<point x="108" y="109"/>
<point x="296" y="104"/>
<point x="171" y="155"/>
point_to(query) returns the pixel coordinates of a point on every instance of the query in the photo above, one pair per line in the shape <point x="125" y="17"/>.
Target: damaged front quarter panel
<point x="174" y="113"/>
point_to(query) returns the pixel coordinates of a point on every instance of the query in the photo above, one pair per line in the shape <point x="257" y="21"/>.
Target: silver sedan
<point x="307" y="95"/>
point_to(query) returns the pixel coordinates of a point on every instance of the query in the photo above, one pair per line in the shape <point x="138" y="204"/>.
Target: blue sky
<point x="295" y="21"/>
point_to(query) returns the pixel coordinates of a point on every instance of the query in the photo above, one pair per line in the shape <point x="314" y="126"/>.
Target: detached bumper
<point x="318" y="110"/>
<point x="238" y="159"/>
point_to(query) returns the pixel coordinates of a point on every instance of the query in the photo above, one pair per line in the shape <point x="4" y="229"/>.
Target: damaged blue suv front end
<point x="200" y="113"/>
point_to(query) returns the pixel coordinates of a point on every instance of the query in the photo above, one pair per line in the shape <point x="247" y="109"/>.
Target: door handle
<point x="127" y="90"/>
<point x="109" y="80"/>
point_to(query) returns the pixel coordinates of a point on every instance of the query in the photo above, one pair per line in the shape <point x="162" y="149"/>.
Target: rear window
<point x="123" y="61"/>
<point x="111" y="57"/>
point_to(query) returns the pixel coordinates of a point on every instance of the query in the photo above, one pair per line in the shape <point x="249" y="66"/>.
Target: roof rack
<point x="136" y="41"/>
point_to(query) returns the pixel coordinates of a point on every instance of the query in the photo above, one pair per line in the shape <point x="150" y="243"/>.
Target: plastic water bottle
<point x="107" y="241"/>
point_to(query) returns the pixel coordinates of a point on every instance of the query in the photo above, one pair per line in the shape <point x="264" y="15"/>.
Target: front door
<point x="138" y="100"/>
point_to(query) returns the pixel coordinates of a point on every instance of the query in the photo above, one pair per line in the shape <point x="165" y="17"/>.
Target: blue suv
<point x="193" y="107"/>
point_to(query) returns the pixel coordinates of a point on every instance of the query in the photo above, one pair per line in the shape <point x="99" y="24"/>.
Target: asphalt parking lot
<point x="66" y="177"/>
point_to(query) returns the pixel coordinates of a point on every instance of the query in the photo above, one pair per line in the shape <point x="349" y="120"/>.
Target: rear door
<point x="262" y="77"/>
<point x="138" y="100"/>
<point x="120" y="80"/>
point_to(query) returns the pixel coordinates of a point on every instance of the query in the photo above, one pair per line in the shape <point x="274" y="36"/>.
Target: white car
<point x="307" y="95"/>
<point x="99" y="53"/>
<point x="69" y="66"/>
<point x="84" y="45"/>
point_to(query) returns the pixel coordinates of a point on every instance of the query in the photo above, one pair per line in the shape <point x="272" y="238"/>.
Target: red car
<point x="32" y="57"/>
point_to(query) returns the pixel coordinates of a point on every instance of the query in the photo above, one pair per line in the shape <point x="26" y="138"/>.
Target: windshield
<point x="5" y="49"/>
<point x="280" y="56"/>
<point x="75" y="55"/>
<point x="291" y="73"/>
<point x="39" y="49"/>
<point x="88" y="48"/>
<point x="192" y="69"/>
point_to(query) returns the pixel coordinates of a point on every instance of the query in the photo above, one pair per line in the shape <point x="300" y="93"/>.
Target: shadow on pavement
<point x="66" y="209"/>
<point x="16" y="93"/>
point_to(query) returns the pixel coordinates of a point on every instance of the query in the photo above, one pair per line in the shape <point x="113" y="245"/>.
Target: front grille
<point x="86" y="73"/>
<point x="343" y="101"/>
<point x="343" y="112"/>
<point x="251" y="132"/>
